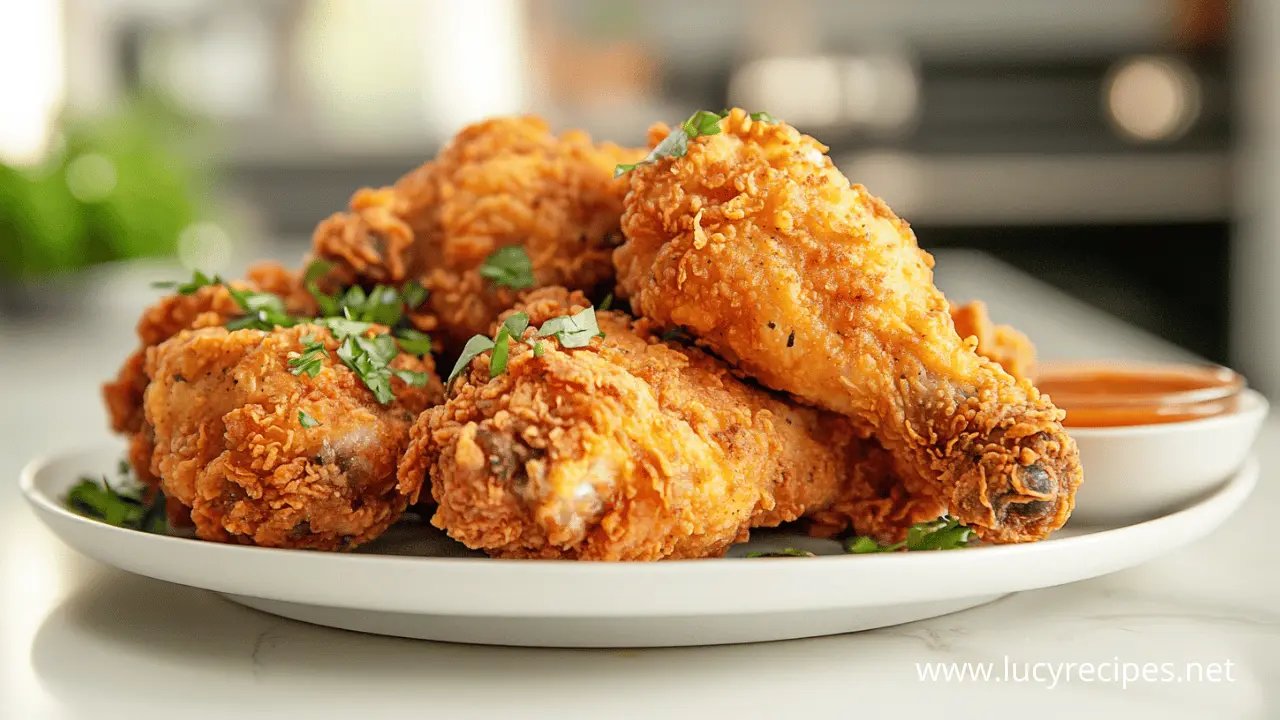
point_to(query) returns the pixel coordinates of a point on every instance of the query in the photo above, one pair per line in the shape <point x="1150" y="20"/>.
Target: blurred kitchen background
<point x="1124" y="151"/>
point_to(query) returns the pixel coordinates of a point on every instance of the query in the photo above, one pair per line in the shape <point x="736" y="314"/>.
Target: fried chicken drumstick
<point x="758" y="246"/>
<point x="502" y="182"/>
<point x="631" y="448"/>
<point x="265" y="455"/>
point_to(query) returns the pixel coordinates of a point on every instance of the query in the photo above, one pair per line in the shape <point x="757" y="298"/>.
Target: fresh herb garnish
<point x="573" y="331"/>
<point x="370" y="358"/>
<point x="413" y="294"/>
<point x="413" y="342"/>
<point x="306" y="419"/>
<point x="676" y="145"/>
<point x="784" y="552"/>
<point x="945" y="533"/>
<point x="538" y="349"/>
<point x="509" y="266"/>
<point x="121" y="505"/>
<point x="312" y="357"/>
<point x="607" y="302"/>
<point x="763" y="116"/>
<point x="476" y="345"/>
<point x="263" y="311"/>
<point x="198" y="280"/>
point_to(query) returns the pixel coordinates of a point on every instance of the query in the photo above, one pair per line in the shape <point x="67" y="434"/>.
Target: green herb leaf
<point x="763" y="117"/>
<point x="312" y="358"/>
<point x="122" y="505"/>
<point x="945" y="533"/>
<point x="343" y="328"/>
<point x="676" y="145"/>
<point x="538" y="349"/>
<point x="784" y="552"/>
<point x="306" y="420"/>
<point x="414" y="342"/>
<point x="263" y="311"/>
<point x="198" y="280"/>
<point x="410" y="378"/>
<point x="413" y="294"/>
<point x="573" y="331"/>
<point x="509" y="266"/>
<point x="516" y="324"/>
<point x="607" y="302"/>
<point x="316" y="270"/>
<point x="501" y="346"/>
<point x="476" y="345"/>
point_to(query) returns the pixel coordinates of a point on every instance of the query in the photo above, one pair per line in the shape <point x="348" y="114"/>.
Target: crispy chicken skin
<point x="1001" y="343"/>
<point x="206" y="307"/>
<point x="231" y="445"/>
<point x="629" y="449"/>
<point x="759" y="247"/>
<point x="504" y="181"/>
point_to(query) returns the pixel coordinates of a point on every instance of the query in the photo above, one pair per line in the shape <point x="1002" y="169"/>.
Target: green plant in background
<point x="116" y="187"/>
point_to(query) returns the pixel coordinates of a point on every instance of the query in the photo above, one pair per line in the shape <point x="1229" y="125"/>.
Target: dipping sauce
<point x="1102" y="394"/>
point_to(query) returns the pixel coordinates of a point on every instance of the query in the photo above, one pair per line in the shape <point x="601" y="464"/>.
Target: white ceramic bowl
<point x="1143" y="471"/>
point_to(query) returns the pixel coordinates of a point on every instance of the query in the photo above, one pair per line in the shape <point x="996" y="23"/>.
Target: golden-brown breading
<point x="206" y="307"/>
<point x="629" y="449"/>
<point x="759" y="247"/>
<point x="500" y="182"/>
<point x="1002" y="343"/>
<point x="230" y="442"/>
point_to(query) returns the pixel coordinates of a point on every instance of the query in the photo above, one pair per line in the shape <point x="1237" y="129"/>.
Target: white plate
<point x="444" y="592"/>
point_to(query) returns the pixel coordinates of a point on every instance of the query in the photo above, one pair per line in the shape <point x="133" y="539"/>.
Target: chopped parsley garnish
<point x="306" y="420"/>
<point x="573" y="331"/>
<point x="413" y="342"/>
<point x="263" y="311"/>
<point x="370" y="358"/>
<point x="413" y="294"/>
<point x="784" y="552"/>
<point x="476" y="345"/>
<point x="312" y="357"/>
<point x="945" y="533"/>
<point x="676" y="145"/>
<point x="122" y="505"/>
<point x="509" y="266"/>
<point x="198" y="280"/>
<point x="607" y="302"/>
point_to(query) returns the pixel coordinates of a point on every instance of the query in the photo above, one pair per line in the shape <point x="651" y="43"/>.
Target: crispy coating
<point x="1002" y="343"/>
<point x="207" y="307"/>
<point x="629" y="449"/>
<point x="231" y="445"/>
<point x="503" y="181"/>
<point x="759" y="247"/>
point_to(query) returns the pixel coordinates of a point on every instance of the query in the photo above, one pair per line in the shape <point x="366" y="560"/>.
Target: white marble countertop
<point x="82" y="640"/>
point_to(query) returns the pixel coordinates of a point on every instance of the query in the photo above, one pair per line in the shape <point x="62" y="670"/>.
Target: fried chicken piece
<point x="232" y="440"/>
<point x="206" y="307"/>
<point x="1002" y="343"/>
<point x="501" y="182"/>
<point x="629" y="449"/>
<point x="759" y="247"/>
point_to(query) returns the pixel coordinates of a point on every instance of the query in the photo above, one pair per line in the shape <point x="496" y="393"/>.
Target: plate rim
<point x="696" y="593"/>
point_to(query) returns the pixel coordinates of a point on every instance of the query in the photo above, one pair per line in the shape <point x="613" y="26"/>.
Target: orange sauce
<point x="1116" y="395"/>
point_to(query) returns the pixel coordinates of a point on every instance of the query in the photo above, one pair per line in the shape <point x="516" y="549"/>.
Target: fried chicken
<point x="206" y="307"/>
<point x="267" y="457"/>
<point x="759" y="247"/>
<point x="629" y="449"/>
<point x="1001" y="343"/>
<point x="501" y="182"/>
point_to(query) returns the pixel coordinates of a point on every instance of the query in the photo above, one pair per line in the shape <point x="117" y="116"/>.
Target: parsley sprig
<point x="945" y="533"/>
<point x="197" y="281"/>
<point x="676" y="144"/>
<point x="122" y="504"/>
<point x="306" y="420"/>
<point x="509" y="266"/>
<point x="572" y="331"/>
